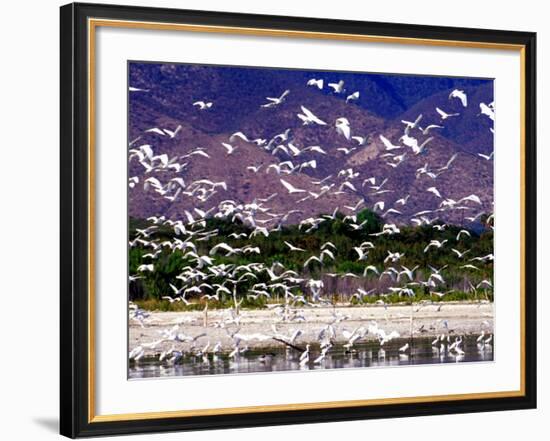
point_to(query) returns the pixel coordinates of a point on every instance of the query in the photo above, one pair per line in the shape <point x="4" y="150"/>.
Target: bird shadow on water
<point x="51" y="424"/>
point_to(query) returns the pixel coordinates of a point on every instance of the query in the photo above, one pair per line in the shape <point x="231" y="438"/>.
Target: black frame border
<point x="74" y="220"/>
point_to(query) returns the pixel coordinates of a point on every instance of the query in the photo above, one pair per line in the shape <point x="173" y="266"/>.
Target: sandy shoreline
<point x="428" y="320"/>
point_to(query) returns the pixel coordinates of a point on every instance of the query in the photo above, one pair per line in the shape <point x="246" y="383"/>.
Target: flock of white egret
<point x="205" y="279"/>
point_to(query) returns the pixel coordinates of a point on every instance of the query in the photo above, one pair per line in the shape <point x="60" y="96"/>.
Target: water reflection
<point x="420" y="351"/>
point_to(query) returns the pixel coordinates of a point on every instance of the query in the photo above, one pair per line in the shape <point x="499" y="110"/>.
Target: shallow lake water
<point x="279" y="358"/>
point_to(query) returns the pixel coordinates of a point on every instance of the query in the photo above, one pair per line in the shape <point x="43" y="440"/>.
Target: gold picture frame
<point x="79" y="24"/>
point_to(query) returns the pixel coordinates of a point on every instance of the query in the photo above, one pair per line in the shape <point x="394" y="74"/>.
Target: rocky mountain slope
<point x="347" y="166"/>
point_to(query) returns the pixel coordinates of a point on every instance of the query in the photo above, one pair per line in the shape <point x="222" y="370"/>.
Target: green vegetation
<point x="392" y="299"/>
<point x="410" y="241"/>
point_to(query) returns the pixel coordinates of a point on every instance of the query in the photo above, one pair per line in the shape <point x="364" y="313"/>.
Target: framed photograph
<point x="275" y="220"/>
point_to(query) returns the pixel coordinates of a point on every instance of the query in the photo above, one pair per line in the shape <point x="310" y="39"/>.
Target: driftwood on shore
<point x="290" y="345"/>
